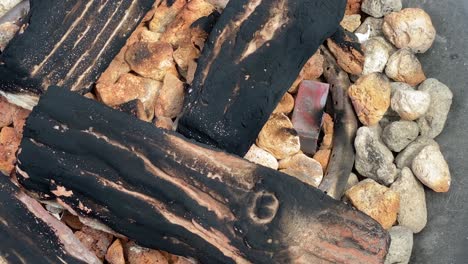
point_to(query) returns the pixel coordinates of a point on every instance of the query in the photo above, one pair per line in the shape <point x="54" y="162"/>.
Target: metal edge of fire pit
<point x="445" y="239"/>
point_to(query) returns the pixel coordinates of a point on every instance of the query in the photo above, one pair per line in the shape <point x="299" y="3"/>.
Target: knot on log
<point x="264" y="207"/>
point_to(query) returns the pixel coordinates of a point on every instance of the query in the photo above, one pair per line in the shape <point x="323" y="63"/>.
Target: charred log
<point x="166" y="192"/>
<point x="345" y="124"/>
<point x="67" y="43"/>
<point x="31" y="235"/>
<point x="253" y="55"/>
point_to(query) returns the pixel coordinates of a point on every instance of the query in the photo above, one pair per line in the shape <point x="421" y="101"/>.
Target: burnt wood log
<point x="345" y="127"/>
<point x="173" y="194"/>
<point x="68" y="43"/>
<point x="30" y="234"/>
<point x="253" y="55"/>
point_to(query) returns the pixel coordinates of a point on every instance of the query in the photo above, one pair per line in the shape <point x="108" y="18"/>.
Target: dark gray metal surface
<point x="445" y="239"/>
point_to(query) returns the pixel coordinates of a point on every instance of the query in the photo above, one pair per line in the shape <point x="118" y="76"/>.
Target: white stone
<point x="430" y="167"/>
<point x="433" y="122"/>
<point x="401" y="245"/>
<point x="399" y="134"/>
<point x="373" y="159"/>
<point x="262" y="157"/>
<point x="410" y="104"/>
<point x="413" y="211"/>
<point x="379" y="8"/>
<point x="377" y="51"/>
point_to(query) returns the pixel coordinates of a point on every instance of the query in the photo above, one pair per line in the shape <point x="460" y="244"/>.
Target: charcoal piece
<point x="30" y="234"/>
<point x="253" y="55"/>
<point x="169" y="193"/>
<point x="345" y="126"/>
<point x="67" y="43"/>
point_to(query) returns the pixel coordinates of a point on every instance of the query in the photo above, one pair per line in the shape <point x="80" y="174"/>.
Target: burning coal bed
<point x="361" y="104"/>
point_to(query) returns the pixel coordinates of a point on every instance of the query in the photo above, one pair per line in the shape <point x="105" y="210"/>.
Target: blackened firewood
<point x="253" y="55"/>
<point x="169" y="193"/>
<point x="29" y="234"/>
<point x="67" y="43"/>
<point x="345" y="126"/>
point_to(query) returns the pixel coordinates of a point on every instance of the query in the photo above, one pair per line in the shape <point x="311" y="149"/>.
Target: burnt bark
<point x="345" y="127"/>
<point x="169" y="193"/>
<point x="68" y="43"/>
<point x="253" y="55"/>
<point x="30" y="234"/>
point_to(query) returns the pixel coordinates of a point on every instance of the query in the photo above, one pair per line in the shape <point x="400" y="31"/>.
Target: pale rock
<point x="115" y="253"/>
<point x="151" y="59"/>
<point x="7" y="32"/>
<point x="404" y="66"/>
<point x="138" y="255"/>
<point x="94" y="240"/>
<point x="433" y="122"/>
<point x="170" y="100"/>
<point x="413" y="210"/>
<point x="379" y="8"/>
<point x="9" y="143"/>
<point x="116" y="68"/>
<point x="6" y="5"/>
<point x="312" y="70"/>
<point x="375" y="200"/>
<point x="184" y="55"/>
<point x="351" y="22"/>
<point x="130" y="87"/>
<point x="7" y="112"/>
<point x="377" y="51"/>
<point x="406" y="157"/>
<point x="279" y="137"/>
<point x="410" y="104"/>
<point x="373" y="159"/>
<point x="262" y="157"/>
<point x="370" y="96"/>
<point x="401" y="245"/>
<point x="410" y="28"/>
<point x="146" y="35"/>
<point x="430" y="167"/>
<point x="304" y="168"/>
<point x="399" y="134"/>
<point x="371" y="27"/>
<point x="286" y="105"/>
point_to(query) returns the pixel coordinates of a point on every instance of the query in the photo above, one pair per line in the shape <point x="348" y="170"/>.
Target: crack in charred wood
<point x="212" y="236"/>
<point x="277" y="19"/>
<point x="203" y="199"/>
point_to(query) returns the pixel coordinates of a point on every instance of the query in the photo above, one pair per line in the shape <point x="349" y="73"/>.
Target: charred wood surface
<point x="170" y="193"/>
<point x="345" y="127"/>
<point x="253" y="55"/>
<point x="30" y="234"/>
<point x="68" y="43"/>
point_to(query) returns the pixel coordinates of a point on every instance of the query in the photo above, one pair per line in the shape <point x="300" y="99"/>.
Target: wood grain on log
<point x="345" y="126"/>
<point x="67" y="43"/>
<point x="169" y="193"/>
<point x="253" y="55"/>
<point x="30" y="234"/>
